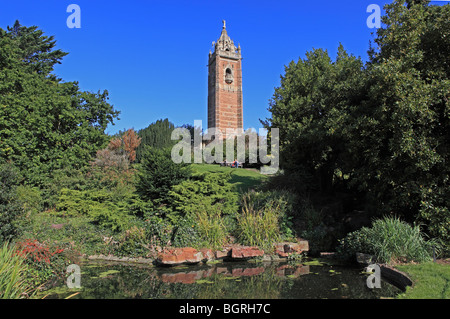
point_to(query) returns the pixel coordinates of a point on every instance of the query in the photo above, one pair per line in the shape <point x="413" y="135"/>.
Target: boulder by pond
<point x="188" y="255"/>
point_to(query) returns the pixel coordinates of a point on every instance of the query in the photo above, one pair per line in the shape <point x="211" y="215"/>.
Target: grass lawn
<point x="244" y="179"/>
<point x="431" y="281"/>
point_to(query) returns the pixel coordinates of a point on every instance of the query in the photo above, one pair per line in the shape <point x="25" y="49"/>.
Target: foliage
<point x="103" y="207"/>
<point x="13" y="271"/>
<point x="30" y="198"/>
<point x="258" y="223"/>
<point x="46" y="124"/>
<point x="157" y="174"/>
<point x="285" y="201"/>
<point x="329" y="111"/>
<point x="314" y="225"/>
<point x="10" y="207"/>
<point x="203" y="192"/>
<point x="120" y="152"/>
<point x="132" y="242"/>
<point x="390" y="240"/>
<point x="158" y="231"/>
<point x="186" y="233"/>
<point x="45" y="261"/>
<point x="78" y="235"/>
<point x="211" y="227"/>
<point x="156" y="135"/>
<point x="312" y="106"/>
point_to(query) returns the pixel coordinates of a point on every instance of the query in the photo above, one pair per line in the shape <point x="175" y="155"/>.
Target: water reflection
<point x="222" y="281"/>
<point x="175" y="275"/>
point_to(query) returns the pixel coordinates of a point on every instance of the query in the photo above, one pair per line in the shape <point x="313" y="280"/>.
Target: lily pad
<point x="204" y="281"/>
<point x="313" y="263"/>
<point x="107" y="273"/>
<point x="229" y="278"/>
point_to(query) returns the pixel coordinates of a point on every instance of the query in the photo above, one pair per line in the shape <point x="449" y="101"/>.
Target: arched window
<point x="228" y="76"/>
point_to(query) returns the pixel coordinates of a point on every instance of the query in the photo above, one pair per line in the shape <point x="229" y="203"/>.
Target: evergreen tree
<point x="158" y="173"/>
<point x="157" y="135"/>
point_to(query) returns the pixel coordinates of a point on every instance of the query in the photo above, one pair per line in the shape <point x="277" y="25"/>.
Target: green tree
<point x="408" y="104"/>
<point x="312" y="108"/>
<point x="35" y="49"/>
<point x="10" y="208"/>
<point x="157" y="135"/>
<point x="45" y="124"/>
<point x="384" y="126"/>
<point x="157" y="174"/>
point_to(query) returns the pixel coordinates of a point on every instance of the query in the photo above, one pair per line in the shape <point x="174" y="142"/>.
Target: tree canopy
<point x="379" y="129"/>
<point x="46" y="124"/>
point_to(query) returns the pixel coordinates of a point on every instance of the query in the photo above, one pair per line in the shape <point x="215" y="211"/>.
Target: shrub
<point x="437" y="218"/>
<point x="203" y="192"/>
<point x="101" y="206"/>
<point x="285" y="203"/>
<point x="77" y="233"/>
<point x="45" y="261"/>
<point x="390" y="240"/>
<point x="157" y="174"/>
<point x="132" y="242"/>
<point x="258" y="225"/>
<point x="186" y="233"/>
<point x="29" y="198"/>
<point x="158" y="231"/>
<point x="315" y="229"/>
<point x="211" y="228"/>
<point x="10" y="208"/>
<point x="13" y="271"/>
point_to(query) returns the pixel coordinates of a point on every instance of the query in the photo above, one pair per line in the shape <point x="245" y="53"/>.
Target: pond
<point x="224" y="280"/>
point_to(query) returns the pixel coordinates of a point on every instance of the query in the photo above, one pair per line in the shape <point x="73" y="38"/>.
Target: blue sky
<point x="151" y="55"/>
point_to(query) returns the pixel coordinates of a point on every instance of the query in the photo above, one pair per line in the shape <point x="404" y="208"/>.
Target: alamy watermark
<point x="208" y="148"/>
<point x="74" y="279"/>
<point x="374" y="19"/>
<point x="74" y="19"/>
<point x="374" y="280"/>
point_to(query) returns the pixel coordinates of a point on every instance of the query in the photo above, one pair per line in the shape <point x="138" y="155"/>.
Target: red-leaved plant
<point x="37" y="252"/>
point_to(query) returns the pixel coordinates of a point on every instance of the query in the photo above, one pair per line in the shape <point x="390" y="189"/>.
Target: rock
<point x="287" y="248"/>
<point x="220" y="254"/>
<point x="365" y="259"/>
<point x="56" y="226"/>
<point x="245" y="252"/>
<point x="176" y="256"/>
<point x="298" y="248"/>
<point x="208" y="254"/>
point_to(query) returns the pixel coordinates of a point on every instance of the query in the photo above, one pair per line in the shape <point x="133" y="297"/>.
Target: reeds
<point x="394" y="240"/>
<point x="258" y="226"/>
<point x="12" y="274"/>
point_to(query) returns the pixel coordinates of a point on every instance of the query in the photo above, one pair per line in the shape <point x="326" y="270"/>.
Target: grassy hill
<point x="244" y="179"/>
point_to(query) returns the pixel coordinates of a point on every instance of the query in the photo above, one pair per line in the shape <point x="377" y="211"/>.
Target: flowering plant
<point x="45" y="262"/>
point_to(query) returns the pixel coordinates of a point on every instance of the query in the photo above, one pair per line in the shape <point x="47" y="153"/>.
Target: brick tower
<point x="225" y="84"/>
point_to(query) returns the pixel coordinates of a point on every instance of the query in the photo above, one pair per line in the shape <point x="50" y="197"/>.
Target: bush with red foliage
<point x="31" y="248"/>
<point x="45" y="262"/>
